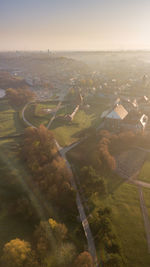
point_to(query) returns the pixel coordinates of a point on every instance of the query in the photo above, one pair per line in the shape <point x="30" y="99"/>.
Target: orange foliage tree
<point x="17" y="253"/>
<point x="19" y="96"/>
<point x="48" y="168"/>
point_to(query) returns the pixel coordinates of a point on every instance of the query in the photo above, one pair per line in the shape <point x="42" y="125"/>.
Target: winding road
<point x="83" y="218"/>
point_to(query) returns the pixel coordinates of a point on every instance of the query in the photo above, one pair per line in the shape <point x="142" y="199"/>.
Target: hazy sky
<point x="74" y="24"/>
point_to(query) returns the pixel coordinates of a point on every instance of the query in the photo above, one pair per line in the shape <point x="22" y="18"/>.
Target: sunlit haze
<point x="74" y="24"/>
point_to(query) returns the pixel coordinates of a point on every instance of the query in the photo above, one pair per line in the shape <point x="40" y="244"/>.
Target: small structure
<point x="47" y="110"/>
<point x="69" y="117"/>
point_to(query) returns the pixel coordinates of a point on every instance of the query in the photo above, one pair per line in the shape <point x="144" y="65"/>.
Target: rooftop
<point x="118" y="113"/>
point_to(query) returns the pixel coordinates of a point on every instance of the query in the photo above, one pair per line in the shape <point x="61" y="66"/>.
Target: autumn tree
<point x="59" y="230"/>
<point x="104" y="153"/>
<point x="84" y="260"/>
<point x="48" y="234"/>
<point x="49" y="170"/>
<point x="19" y="96"/>
<point x="18" y="253"/>
<point x="43" y="238"/>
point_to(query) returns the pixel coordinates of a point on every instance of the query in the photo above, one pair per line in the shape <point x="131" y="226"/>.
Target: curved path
<point x="54" y="115"/>
<point x="23" y="117"/>
<point x="84" y="220"/>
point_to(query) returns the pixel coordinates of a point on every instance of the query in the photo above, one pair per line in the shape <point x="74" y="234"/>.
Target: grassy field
<point x="69" y="132"/>
<point x="144" y="174"/>
<point x="11" y="169"/>
<point x="10" y="122"/>
<point x="34" y="115"/>
<point x="128" y="223"/>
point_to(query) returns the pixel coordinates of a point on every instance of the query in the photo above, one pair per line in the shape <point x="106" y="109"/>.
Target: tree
<point x="49" y="170"/>
<point x="101" y="224"/>
<point x="18" y="253"/>
<point x="44" y="240"/>
<point x="19" y="96"/>
<point x="112" y="246"/>
<point x="48" y="235"/>
<point x="92" y="180"/>
<point x="84" y="260"/>
<point x="63" y="256"/>
<point x="59" y="229"/>
<point x="114" y="260"/>
<point x="103" y="148"/>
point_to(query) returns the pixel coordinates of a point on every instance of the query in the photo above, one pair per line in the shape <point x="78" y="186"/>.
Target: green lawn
<point x="128" y="223"/>
<point x="144" y="174"/>
<point x="34" y="115"/>
<point x="10" y="122"/>
<point x="69" y="132"/>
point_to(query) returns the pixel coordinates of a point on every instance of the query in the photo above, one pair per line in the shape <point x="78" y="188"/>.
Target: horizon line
<point x="73" y="50"/>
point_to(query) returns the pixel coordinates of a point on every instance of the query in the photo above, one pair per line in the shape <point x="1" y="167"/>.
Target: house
<point x="144" y="103"/>
<point x="113" y="119"/>
<point x="135" y="121"/>
<point x="127" y="103"/>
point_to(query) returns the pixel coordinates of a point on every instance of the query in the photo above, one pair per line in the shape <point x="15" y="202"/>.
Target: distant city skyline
<point x="75" y="25"/>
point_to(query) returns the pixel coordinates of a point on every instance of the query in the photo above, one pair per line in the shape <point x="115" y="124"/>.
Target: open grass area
<point x="44" y="106"/>
<point x="34" y="113"/>
<point x="10" y="122"/>
<point x="69" y="132"/>
<point x="128" y="223"/>
<point x="144" y="174"/>
<point x="12" y="173"/>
